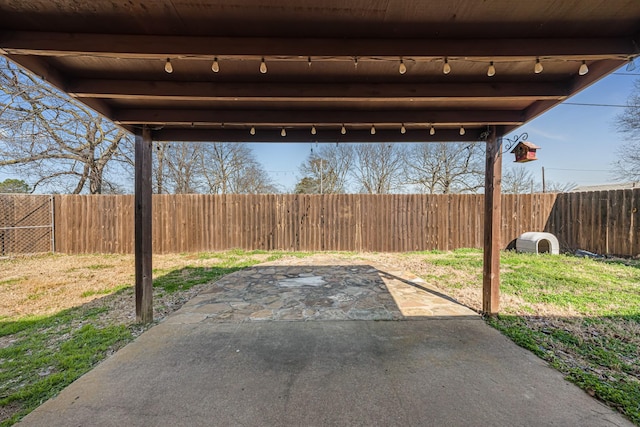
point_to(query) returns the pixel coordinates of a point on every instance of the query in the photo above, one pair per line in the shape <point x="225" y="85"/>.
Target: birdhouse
<point x="525" y="151"/>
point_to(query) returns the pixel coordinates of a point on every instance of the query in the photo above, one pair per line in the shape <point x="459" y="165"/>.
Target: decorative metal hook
<point x="512" y="142"/>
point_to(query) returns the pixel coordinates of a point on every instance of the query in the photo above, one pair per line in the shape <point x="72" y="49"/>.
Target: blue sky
<point x="571" y="136"/>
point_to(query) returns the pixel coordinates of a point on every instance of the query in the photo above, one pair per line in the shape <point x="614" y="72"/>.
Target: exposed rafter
<point x="158" y="47"/>
<point x="124" y="89"/>
<point x="322" y="135"/>
<point x="310" y="117"/>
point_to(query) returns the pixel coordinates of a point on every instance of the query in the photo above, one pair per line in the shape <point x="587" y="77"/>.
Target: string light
<point x="263" y="68"/>
<point x="446" y="68"/>
<point x="432" y="131"/>
<point x="462" y="131"/>
<point x="309" y="61"/>
<point x="491" y="71"/>
<point x="538" y="67"/>
<point x="373" y="130"/>
<point x="168" y="67"/>
<point x="403" y="130"/>
<point x="283" y="132"/>
<point x="252" y="131"/>
<point x="313" y="130"/>
<point x="355" y="62"/>
<point x="343" y="130"/>
<point x="583" y="69"/>
<point x="402" y="68"/>
<point x="215" y="67"/>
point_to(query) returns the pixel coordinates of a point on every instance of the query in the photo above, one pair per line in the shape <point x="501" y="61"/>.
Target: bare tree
<point x="446" y="167"/>
<point x="52" y="139"/>
<point x="518" y="180"/>
<point x="559" y="187"/>
<point x="233" y="168"/>
<point x="326" y="170"/>
<point x="182" y="167"/>
<point x="627" y="165"/>
<point x="378" y="168"/>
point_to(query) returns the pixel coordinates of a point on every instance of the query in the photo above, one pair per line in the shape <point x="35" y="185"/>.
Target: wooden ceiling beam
<point x="322" y="135"/>
<point x="310" y="117"/>
<point x="159" y="47"/>
<point x="203" y="91"/>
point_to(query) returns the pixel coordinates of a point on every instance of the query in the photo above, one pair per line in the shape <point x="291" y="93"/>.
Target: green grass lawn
<point x="581" y="315"/>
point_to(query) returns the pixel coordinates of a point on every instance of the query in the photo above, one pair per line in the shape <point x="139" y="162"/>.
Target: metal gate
<point x="26" y="224"/>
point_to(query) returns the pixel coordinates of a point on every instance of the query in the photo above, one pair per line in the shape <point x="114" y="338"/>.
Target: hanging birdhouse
<point x="525" y="151"/>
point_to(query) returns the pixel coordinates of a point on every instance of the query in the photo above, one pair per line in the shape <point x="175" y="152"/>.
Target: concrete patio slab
<point x="322" y="345"/>
<point x="343" y="373"/>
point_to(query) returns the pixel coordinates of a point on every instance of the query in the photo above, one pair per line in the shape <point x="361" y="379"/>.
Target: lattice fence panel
<point x="26" y="224"/>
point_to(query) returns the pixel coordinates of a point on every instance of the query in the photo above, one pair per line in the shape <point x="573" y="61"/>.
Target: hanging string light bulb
<point x="403" y="129"/>
<point x="583" y="69"/>
<point x="446" y="68"/>
<point x="313" y="130"/>
<point x="252" y="131"/>
<point x="432" y="131"/>
<point x="283" y="132"/>
<point x="309" y="61"/>
<point x="343" y="131"/>
<point x="491" y="71"/>
<point x="538" y="67"/>
<point x="462" y="131"/>
<point x="168" y="67"/>
<point x="263" y="66"/>
<point x="402" y="68"/>
<point x="215" y="67"/>
<point x="355" y="62"/>
<point x="373" y="130"/>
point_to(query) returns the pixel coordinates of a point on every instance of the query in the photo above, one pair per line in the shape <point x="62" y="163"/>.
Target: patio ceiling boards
<point x="329" y="63"/>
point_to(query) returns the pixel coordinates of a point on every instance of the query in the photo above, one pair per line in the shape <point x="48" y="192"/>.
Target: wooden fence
<point x="602" y="222"/>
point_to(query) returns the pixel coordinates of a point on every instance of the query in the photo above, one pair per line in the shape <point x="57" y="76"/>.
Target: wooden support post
<point x="492" y="224"/>
<point x="143" y="249"/>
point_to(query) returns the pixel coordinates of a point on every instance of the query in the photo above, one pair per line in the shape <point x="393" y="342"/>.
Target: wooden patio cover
<point x="413" y="70"/>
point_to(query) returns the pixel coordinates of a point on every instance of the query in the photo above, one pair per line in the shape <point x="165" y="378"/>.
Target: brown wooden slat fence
<point x="602" y="222"/>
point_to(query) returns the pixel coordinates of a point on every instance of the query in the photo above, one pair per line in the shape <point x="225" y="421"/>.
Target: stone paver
<point x="300" y="291"/>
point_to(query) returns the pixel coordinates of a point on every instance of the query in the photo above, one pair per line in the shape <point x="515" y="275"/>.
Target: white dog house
<point x="537" y="243"/>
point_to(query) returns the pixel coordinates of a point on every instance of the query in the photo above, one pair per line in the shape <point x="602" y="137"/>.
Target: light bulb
<point x="313" y="130"/>
<point x="373" y="130"/>
<point x="252" y="131"/>
<point x="583" y="69"/>
<point x="462" y="131"/>
<point x="355" y="62"/>
<point x="263" y="67"/>
<point x="309" y="61"/>
<point x="631" y="66"/>
<point x="215" y="67"/>
<point x="538" y="67"/>
<point x="432" y="131"/>
<point x="168" y="67"/>
<point x="446" y="68"/>
<point x="343" y="130"/>
<point x="403" y="130"/>
<point x="491" y="71"/>
<point x="402" y="68"/>
<point x="283" y="132"/>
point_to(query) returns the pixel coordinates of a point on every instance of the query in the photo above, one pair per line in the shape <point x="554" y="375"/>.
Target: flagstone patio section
<point x="319" y="289"/>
